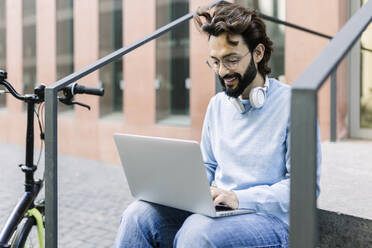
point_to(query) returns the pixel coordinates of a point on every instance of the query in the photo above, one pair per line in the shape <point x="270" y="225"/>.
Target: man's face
<point x="235" y="79"/>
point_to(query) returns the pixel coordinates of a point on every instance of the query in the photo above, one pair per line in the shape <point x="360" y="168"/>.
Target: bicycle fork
<point x="35" y="213"/>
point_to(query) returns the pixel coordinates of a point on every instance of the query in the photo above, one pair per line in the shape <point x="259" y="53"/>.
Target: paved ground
<point x="347" y="177"/>
<point x="93" y="195"/>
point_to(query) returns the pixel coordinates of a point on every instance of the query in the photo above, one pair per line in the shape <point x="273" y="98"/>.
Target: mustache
<point x="237" y="75"/>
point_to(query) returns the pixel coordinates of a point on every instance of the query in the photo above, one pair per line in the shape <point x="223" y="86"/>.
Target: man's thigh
<point x="248" y="230"/>
<point x="145" y="224"/>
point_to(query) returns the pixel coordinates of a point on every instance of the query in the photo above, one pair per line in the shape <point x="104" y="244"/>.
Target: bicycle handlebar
<point x="38" y="96"/>
<point x="81" y="89"/>
<point x="12" y="90"/>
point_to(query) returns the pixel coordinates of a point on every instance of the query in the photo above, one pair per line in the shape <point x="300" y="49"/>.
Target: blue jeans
<point x="146" y="224"/>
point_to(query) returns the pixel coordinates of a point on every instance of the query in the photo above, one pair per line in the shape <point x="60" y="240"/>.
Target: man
<point x="245" y="147"/>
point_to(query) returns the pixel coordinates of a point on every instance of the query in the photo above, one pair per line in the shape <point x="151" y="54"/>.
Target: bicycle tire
<point x="22" y="237"/>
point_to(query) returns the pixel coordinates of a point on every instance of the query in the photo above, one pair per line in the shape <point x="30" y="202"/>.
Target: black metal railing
<point x="51" y="190"/>
<point x="303" y="220"/>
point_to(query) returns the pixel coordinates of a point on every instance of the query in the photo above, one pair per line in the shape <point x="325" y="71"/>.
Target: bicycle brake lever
<point x="67" y="101"/>
<point x="81" y="104"/>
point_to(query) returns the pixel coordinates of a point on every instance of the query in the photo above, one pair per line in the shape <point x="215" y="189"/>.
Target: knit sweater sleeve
<point x="206" y="145"/>
<point x="275" y="197"/>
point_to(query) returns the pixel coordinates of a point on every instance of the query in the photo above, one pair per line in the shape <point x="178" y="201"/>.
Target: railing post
<point x="303" y="145"/>
<point x="303" y="218"/>
<point x="51" y="179"/>
<point x="334" y="105"/>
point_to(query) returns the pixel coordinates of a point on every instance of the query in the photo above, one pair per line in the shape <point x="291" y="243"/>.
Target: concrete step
<point x="342" y="230"/>
<point x="345" y="201"/>
<point x="346" y="176"/>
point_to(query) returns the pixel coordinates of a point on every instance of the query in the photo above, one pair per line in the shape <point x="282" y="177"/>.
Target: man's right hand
<point x="221" y="196"/>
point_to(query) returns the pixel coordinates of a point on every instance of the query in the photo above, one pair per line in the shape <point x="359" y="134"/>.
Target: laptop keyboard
<point x="221" y="207"/>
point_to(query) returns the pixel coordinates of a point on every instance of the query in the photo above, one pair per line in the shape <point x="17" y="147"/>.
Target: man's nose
<point x="222" y="71"/>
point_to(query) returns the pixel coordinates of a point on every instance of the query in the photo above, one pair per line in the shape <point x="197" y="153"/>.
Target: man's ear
<point x="258" y="53"/>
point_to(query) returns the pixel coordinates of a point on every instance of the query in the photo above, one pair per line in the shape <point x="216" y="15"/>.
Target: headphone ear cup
<point x="257" y="97"/>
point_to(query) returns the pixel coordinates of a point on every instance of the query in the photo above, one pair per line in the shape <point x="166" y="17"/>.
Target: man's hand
<point x="221" y="196"/>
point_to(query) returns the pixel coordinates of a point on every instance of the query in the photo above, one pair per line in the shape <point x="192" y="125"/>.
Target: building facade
<point x="162" y="88"/>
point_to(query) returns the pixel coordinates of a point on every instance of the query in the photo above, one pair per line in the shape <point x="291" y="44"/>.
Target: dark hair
<point x="234" y="19"/>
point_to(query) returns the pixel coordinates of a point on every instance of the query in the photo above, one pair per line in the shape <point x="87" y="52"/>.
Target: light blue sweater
<point x="248" y="153"/>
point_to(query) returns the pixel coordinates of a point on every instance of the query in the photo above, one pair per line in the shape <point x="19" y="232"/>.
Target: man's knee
<point x="138" y="213"/>
<point x="136" y="224"/>
<point x="195" y="232"/>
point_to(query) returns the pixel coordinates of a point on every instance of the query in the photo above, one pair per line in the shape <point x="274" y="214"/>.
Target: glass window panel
<point x="276" y="32"/>
<point x="29" y="45"/>
<point x="63" y="5"/>
<point x="172" y="65"/>
<point x="366" y="78"/>
<point x="111" y="39"/>
<point x="64" y="43"/>
<point x="2" y="46"/>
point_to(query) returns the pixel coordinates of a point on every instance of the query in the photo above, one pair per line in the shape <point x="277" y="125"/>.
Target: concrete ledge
<point x="341" y="230"/>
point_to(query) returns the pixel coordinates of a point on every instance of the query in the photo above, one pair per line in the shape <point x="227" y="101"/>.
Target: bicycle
<point x="28" y="215"/>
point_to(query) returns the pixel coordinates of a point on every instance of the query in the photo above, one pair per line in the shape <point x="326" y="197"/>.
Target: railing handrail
<point x="316" y="73"/>
<point x="292" y="25"/>
<point x="303" y="145"/>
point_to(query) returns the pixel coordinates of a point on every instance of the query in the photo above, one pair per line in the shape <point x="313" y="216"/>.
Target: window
<point x="64" y="43"/>
<point x="2" y="45"/>
<point x="172" y="82"/>
<point x="276" y="32"/>
<point x="29" y="45"/>
<point x="64" y="38"/>
<point x="111" y="39"/>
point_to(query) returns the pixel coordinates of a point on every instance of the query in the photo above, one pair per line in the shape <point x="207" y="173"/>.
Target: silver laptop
<point x="169" y="172"/>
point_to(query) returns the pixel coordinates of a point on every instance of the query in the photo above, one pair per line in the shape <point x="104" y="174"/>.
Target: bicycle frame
<point x="32" y="188"/>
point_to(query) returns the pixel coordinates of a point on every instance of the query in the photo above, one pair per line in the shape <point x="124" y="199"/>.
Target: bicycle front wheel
<point x="26" y="235"/>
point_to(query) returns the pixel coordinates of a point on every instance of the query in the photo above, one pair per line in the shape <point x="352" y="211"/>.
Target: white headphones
<point x="237" y="104"/>
<point x="257" y="97"/>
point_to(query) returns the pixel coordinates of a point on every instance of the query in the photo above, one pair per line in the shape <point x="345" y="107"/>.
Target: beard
<point x="243" y="82"/>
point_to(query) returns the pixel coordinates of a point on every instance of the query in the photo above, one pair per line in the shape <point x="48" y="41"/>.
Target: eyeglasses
<point x="230" y="62"/>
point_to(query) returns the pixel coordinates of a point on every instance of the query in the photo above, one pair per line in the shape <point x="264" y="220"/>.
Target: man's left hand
<point x="221" y="196"/>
